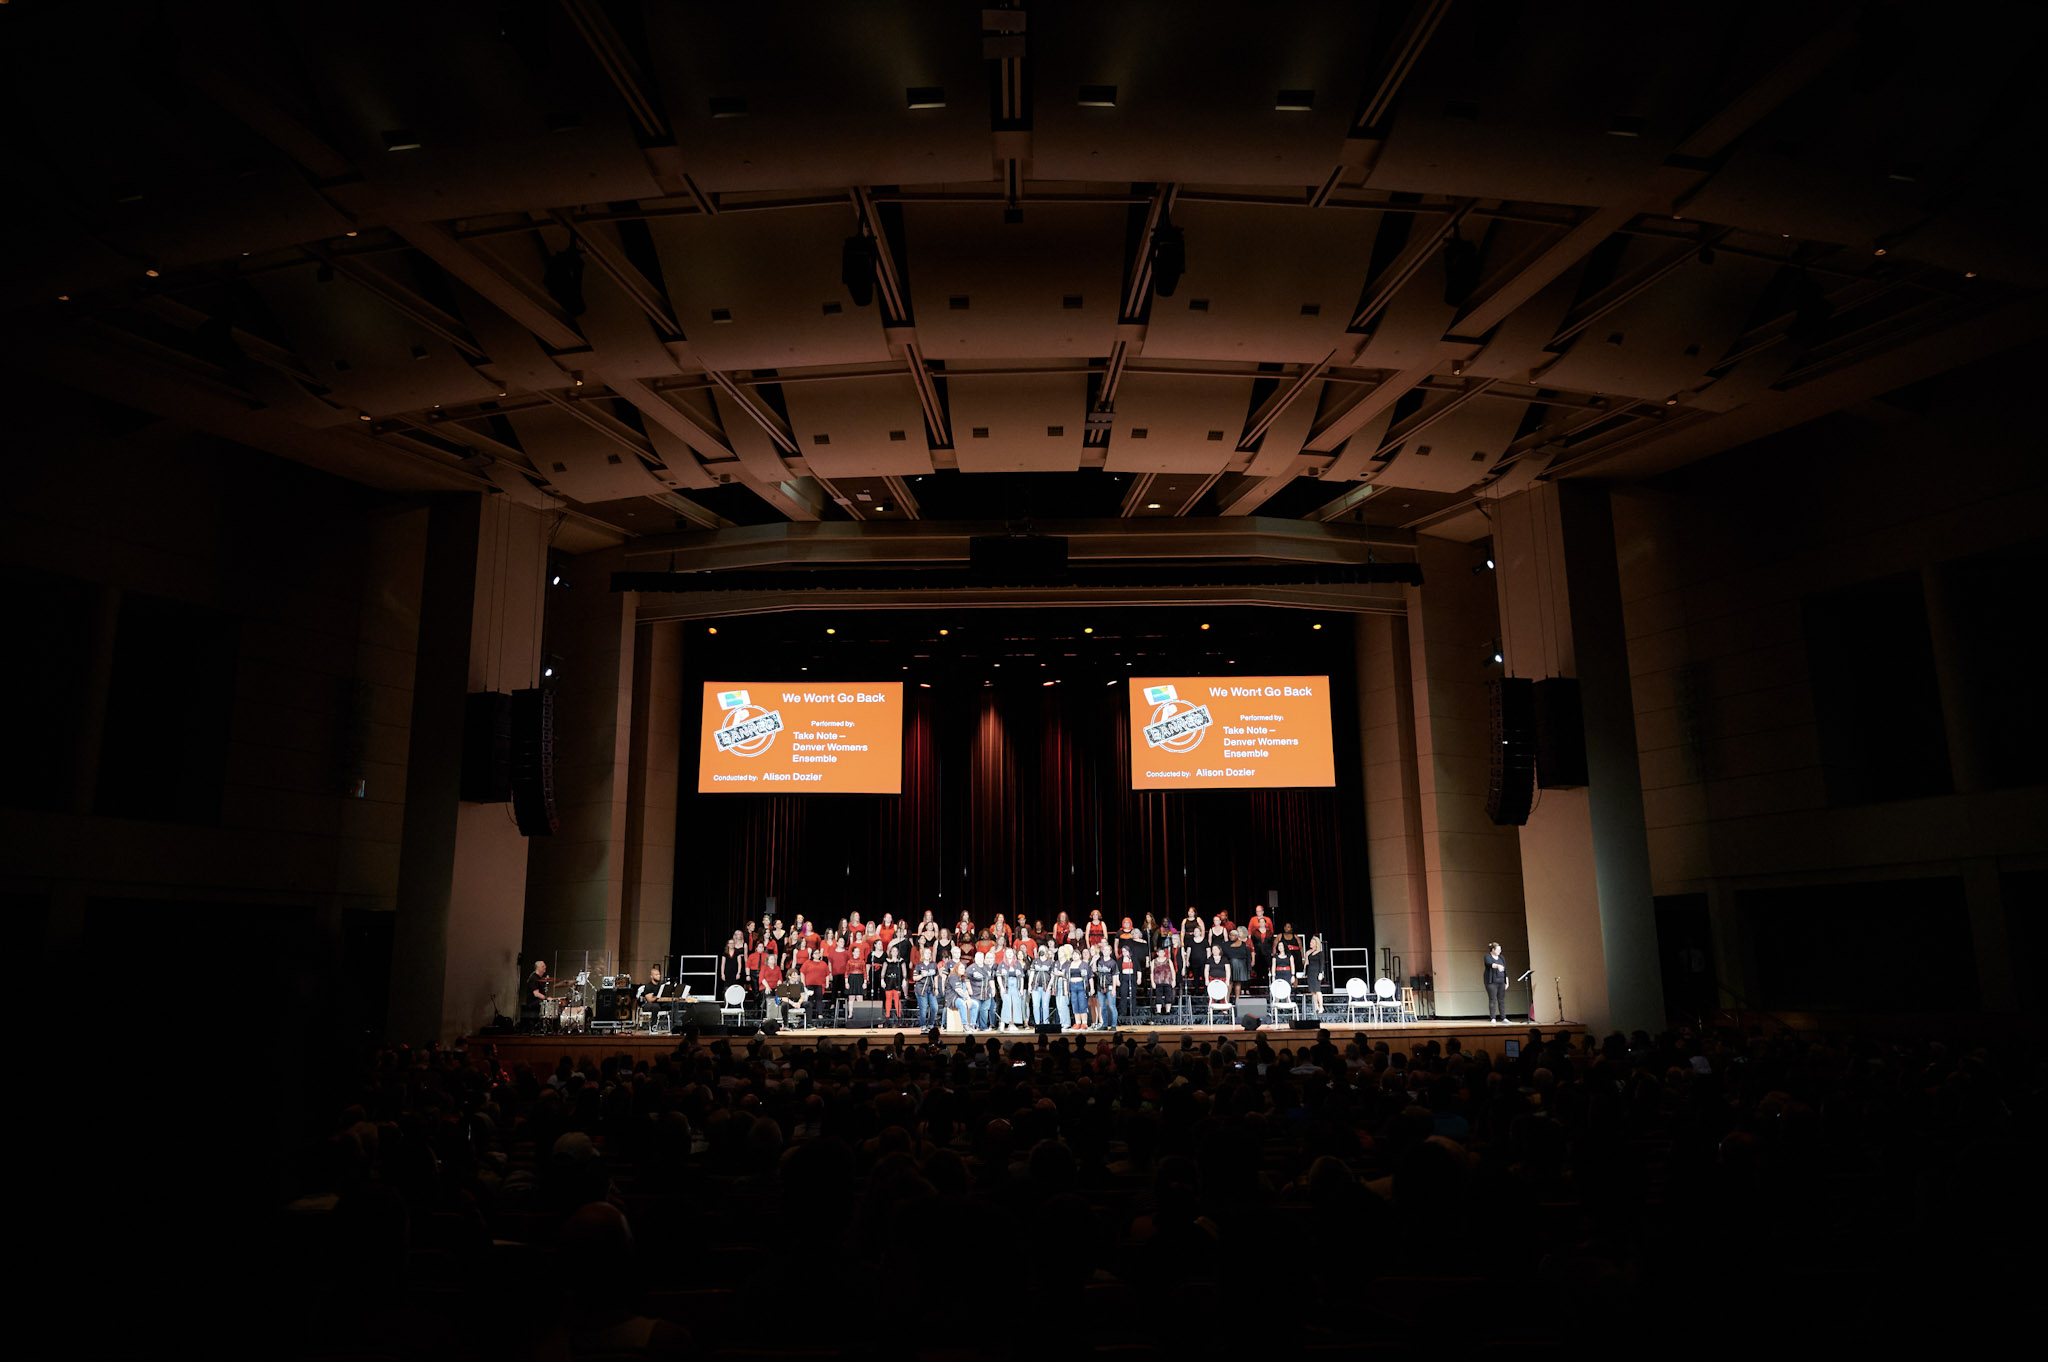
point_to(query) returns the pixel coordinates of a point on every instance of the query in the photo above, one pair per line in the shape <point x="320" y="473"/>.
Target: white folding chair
<point x="1219" y="1001"/>
<point x="1356" y="992"/>
<point x="1386" y="1004"/>
<point x="1280" y="1000"/>
<point x="735" y="1008"/>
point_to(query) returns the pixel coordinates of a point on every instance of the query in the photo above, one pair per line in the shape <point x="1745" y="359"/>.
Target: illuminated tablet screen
<point x="844" y="737"/>
<point x="1230" y="732"/>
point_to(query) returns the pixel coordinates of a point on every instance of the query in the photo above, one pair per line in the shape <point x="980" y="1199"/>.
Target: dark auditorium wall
<point x="210" y="648"/>
<point x="1831" y="644"/>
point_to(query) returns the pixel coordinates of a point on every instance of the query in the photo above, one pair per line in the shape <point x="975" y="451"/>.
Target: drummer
<point x="533" y="991"/>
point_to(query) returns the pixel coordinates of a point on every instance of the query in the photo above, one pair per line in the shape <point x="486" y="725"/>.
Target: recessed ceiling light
<point x="1097" y="97"/>
<point x="831" y="631"/>
<point x="1294" y="101"/>
<point x="924" y="97"/>
<point x="401" y="139"/>
<point x="1969" y="274"/>
<point x="1879" y="251"/>
<point x="1087" y="628"/>
<point x="1205" y="626"/>
<point x="924" y="685"/>
<point x="944" y="632"/>
<point x="1315" y="626"/>
<point x="65" y="297"/>
<point x="364" y="416"/>
<point x="152" y="274"/>
<point x="344" y="234"/>
<point x="712" y="630"/>
<point x="1151" y="505"/>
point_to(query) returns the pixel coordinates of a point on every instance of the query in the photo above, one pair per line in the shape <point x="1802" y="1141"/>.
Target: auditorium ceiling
<point x="671" y="267"/>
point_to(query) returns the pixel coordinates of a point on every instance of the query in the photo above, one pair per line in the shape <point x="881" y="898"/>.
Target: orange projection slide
<point x="839" y="737"/>
<point x="1230" y="732"/>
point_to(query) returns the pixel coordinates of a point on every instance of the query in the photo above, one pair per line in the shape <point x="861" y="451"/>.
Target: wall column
<point x="1585" y="852"/>
<point x="1472" y="868"/>
<point x="462" y="867"/>
<point x="1394" y="857"/>
<point x="575" y="880"/>
<point x="653" y="786"/>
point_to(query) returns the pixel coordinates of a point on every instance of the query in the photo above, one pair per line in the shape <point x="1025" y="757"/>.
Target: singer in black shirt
<point x="1496" y="966"/>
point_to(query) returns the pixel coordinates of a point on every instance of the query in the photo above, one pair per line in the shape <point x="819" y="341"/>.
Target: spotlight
<point x="1048" y="683"/>
<point x="712" y="630"/>
<point x="547" y="671"/>
<point x="65" y="297"/>
<point x="924" y="685"/>
<point x="1205" y="626"/>
<point x="1489" y="565"/>
<point x="344" y="234"/>
<point x="1496" y="657"/>
<point x="154" y="275"/>
<point x="1315" y="626"/>
<point x="362" y="416"/>
<point x="944" y="632"/>
<point x="1151" y="505"/>
<point x="1967" y="274"/>
<point x="831" y="630"/>
<point x="556" y="580"/>
<point x="1087" y="628"/>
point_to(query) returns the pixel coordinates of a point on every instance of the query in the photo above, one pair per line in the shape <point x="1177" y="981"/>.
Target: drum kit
<point x="570" y="1013"/>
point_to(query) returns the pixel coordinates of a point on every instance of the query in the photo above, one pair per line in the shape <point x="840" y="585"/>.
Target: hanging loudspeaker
<point x="533" y="762"/>
<point x="1511" y="741"/>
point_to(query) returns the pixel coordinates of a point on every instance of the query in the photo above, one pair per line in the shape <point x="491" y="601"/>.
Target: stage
<point x="543" y="1051"/>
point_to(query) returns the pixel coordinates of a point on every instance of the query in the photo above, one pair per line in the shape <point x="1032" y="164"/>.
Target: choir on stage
<point x="1017" y="976"/>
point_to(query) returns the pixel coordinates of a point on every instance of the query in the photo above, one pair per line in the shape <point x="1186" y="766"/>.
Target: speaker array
<point x="533" y="762"/>
<point x="1511" y="729"/>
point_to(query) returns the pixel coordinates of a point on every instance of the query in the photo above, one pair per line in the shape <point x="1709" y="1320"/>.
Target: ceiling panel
<point x="1408" y="332"/>
<point x="1017" y="423"/>
<point x="1195" y="89"/>
<point x="774" y="277"/>
<point x="576" y="461"/>
<point x="1663" y="340"/>
<point x="1174" y="424"/>
<point x="363" y="351"/>
<point x="1283" y="439"/>
<point x="1263" y="283"/>
<point x="982" y="288"/>
<point x="824" y="86"/>
<point x="847" y="427"/>
<point x="1455" y="452"/>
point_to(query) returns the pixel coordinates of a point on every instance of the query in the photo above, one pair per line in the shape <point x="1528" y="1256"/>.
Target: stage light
<point x="1087" y="628"/>
<point x="1489" y="564"/>
<point x="1110" y="682"/>
<point x="1967" y="274"/>
<point x="362" y="416"/>
<point x="555" y="580"/>
<point x="547" y="671"/>
<point x="344" y="234"/>
<point x="65" y="297"/>
<point x="1496" y="657"/>
<point x="1048" y="683"/>
<point x="831" y="631"/>
<point x="1151" y="505"/>
<point x="154" y="275"/>
<point x="944" y="632"/>
<point x="1205" y="626"/>
<point x="1315" y="626"/>
<point x="998" y="664"/>
<point x="924" y="685"/>
<point x="712" y="630"/>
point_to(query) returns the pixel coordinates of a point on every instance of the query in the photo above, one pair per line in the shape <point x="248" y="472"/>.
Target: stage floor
<point x="544" y="1050"/>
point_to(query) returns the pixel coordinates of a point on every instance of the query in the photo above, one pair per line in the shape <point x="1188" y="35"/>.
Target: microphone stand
<point x="1521" y="978"/>
<point x="1560" y="1000"/>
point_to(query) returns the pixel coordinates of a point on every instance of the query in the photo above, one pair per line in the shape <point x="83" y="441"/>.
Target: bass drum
<point x="576" y="1019"/>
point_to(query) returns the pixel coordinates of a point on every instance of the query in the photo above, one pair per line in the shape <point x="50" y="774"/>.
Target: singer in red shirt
<point x="1262" y="941"/>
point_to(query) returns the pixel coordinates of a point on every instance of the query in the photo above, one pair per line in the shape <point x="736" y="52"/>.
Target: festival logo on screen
<point x="1177" y="725"/>
<point x="748" y="730"/>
